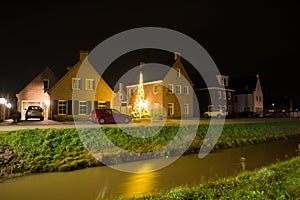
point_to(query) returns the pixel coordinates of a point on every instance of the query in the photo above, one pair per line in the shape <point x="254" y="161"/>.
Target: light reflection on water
<point x="88" y="184"/>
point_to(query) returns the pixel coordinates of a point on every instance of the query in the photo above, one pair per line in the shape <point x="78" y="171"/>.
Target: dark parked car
<point x="248" y="114"/>
<point x="34" y="112"/>
<point x="108" y="115"/>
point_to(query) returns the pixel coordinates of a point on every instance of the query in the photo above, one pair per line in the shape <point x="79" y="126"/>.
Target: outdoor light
<point x="8" y="105"/>
<point x="47" y="102"/>
<point x="2" y="101"/>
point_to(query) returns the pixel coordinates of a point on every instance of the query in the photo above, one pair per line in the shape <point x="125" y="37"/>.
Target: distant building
<point x="120" y="99"/>
<point x="248" y="94"/>
<point x="217" y="97"/>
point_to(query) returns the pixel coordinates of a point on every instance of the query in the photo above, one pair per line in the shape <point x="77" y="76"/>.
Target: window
<point x="155" y="89"/>
<point x="62" y="107"/>
<point x="259" y="98"/>
<point x="82" y="107"/>
<point x="121" y="96"/>
<point x="229" y="95"/>
<point x="256" y="98"/>
<point x="178" y="73"/>
<point x="170" y="88"/>
<point x="224" y="95"/>
<point x="178" y="89"/>
<point x="130" y="91"/>
<point x="46" y="84"/>
<point x="76" y="83"/>
<point x="170" y="109"/>
<point x="101" y="104"/>
<point x="185" y="90"/>
<point x="89" y="84"/>
<point x="219" y="94"/>
<point x="186" y="109"/>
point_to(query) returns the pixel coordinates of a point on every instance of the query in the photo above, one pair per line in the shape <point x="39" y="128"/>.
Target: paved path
<point x="32" y="124"/>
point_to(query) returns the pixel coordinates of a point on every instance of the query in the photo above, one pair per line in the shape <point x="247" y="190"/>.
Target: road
<point x="32" y="124"/>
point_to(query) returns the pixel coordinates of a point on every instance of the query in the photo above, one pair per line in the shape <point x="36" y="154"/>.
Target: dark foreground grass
<point x="279" y="181"/>
<point x="47" y="150"/>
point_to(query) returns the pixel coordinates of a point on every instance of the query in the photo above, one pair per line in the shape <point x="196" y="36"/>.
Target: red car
<point x="107" y="115"/>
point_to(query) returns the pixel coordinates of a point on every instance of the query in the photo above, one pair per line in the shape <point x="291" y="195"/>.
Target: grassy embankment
<point x="278" y="181"/>
<point x="46" y="150"/>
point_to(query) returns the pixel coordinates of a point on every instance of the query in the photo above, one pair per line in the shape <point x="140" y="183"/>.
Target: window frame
<point x="61" y="109"/>
<point x="177" y="87"/>
<point x="80" y="106"/>
<point x="172" y="89"/>
<point x="74" y="81"/>
<point x="87" y="84"/>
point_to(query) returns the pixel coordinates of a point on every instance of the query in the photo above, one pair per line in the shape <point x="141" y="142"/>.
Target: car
<point x="215" y="113"/>
<point x="34" y="112"/>
<point x="108" y="115"/>
<point x="248" y="114"/>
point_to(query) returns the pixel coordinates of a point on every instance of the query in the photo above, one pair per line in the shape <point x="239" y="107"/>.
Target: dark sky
<point x="242" y="39"/>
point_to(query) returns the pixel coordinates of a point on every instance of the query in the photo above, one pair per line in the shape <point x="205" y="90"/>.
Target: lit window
<point x="155" y="89"/>
<point x="178" y="89"/>
<point x="186" y="109"/>
<point x="76" y="83"/>
<point x="89" y="84"/>
<point x="185" y="90"/>
<point x="170" y="88"/>
<point x="46" y="84"/>
<point x="170" y="109"/>
<point x="62" y="107"/>
<point x="101" y="104"/>
<point x="82" y="107"/>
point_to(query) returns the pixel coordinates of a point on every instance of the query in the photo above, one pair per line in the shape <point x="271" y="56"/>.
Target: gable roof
<point x="244" y="85"/>
<point x="47" y="71"/>
<point x="152" y="72"/>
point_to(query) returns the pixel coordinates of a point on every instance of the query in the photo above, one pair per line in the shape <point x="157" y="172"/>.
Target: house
<point x="120" y="99"/>
<point x="36" y="92"/>
<point x="248" y="94"/>
<point x="216" y="97"/>
<point x="166" y="90"/>
<point x="79" y="91"/>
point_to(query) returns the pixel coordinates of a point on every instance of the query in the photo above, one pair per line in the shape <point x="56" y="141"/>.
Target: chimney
<point x="121" y="87"/>
<point x="177" y="56"/>
<point x="82" y="55"/>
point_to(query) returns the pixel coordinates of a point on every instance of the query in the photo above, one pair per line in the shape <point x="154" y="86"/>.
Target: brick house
<point x="79" y="91"/>
<point x="221" y="96"/>
<point x="120" y="100"/>
<point x="36" y="92"/>
<point x="168" y="93"/>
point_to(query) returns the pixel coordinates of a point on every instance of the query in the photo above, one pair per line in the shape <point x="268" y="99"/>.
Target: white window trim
<point x="87" y="81"/>
<point x="179" y="86"/>
<point x="73" y="83"/>
<point x="121" y="97"/>
<point x="186" y="109"/>
<point x="81" y="106"/>
<point x="178" y="73"/>
<point x="172" y="110"/>
<point x="187" y="90"/>
<point x="58" y="113"/>
<point x="154" y="89"/>
<point x="172" y="89"/>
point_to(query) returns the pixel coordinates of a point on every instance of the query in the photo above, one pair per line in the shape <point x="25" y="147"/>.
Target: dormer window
<point x="223" y="80"/>
<point x="178" y="73"/>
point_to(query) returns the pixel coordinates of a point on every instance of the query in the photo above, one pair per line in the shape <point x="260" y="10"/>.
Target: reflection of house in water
<point x="167" y="90"/>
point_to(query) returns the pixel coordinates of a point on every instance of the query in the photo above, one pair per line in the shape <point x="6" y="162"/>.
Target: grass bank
<point x="46" y="150"/>
<point x="279" y="181"/>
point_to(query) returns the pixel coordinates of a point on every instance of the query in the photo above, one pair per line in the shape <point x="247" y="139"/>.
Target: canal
<point x="91" y="183"/>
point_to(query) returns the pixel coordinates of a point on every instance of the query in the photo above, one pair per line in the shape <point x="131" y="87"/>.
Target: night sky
<point x="243" y="40"/>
